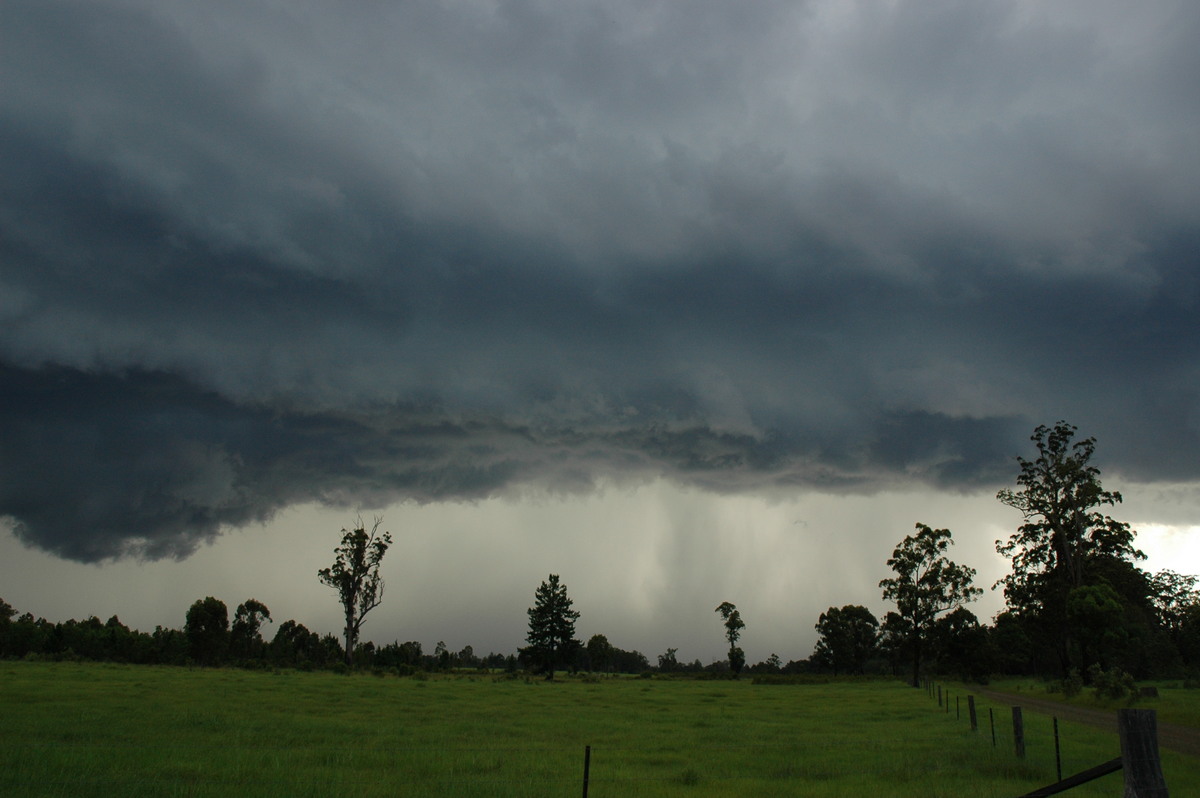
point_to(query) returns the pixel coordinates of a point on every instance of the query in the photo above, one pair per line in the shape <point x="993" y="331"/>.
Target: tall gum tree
<point x="733" y="630"/>
<point x="355" y="576"/>
<point x="1064" y="533"/>
<point x="927" y="583"/>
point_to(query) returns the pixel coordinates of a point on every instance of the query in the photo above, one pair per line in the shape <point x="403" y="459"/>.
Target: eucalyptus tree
<point x="1066" y="542"/>
<point x="847" y="637"/>
<point x="927" y="583"/>
<point x="733" y="630"/>
<point x="206" y="627"/>
<point x="355" y="576"/>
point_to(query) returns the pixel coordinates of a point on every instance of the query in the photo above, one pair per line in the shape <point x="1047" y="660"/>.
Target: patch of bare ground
<point x="1172" y="736"/>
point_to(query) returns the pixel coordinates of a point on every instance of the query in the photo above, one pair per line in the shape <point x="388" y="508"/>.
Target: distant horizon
<point x="396" y="620"/>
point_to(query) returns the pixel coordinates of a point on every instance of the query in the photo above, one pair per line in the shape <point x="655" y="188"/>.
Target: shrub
<point x="1070" y="686"/>
<point x="1112" y="684"/>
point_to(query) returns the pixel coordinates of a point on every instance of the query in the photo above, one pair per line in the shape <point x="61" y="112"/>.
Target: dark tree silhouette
<point x="207" y="630"/>
<point x="355" y="576"/>
<point x="551" y="635"/>
<point x="1064" y="532"/>
<point x="926" y="585"/>
<point x="600" y="653"/>
<point x="848" y="636"/>
<point x="733" y="630"/>
<point x="245" y="637"/>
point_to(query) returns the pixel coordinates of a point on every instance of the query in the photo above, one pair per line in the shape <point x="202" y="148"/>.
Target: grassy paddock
<point x="104" y="730"/>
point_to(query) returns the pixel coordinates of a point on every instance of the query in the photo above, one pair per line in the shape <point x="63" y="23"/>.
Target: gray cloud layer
<point x="255" y="254"/>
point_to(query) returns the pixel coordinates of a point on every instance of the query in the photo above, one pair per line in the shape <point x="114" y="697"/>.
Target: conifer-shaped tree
<point x="551" y="635"/>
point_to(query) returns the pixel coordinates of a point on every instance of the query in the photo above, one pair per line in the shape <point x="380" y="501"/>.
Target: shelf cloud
<point x="254" y="255"/>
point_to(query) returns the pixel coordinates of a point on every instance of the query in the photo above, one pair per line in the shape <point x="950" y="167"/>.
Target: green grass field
<point x="110" y="730"/>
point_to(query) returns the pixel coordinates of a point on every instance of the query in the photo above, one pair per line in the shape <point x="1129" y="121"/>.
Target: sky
<point x="684" y="302"/>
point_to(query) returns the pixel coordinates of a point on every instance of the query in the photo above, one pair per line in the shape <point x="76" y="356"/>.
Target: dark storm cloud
<point x="251" y="256"/>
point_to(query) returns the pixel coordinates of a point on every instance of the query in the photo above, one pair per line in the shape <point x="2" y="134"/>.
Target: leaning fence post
<point x="939" y="695"/>
<point x="587" y="767"/>
<point x="1018" y="732"/>
<point x="1057" y="752"/>
<point x="1139" y="753"/>
<point x="971" y="710"/>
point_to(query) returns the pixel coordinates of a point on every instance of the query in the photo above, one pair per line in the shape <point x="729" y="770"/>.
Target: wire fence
<point x="83" y="769"/>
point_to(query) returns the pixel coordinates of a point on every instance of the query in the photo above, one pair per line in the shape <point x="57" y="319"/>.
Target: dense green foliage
<point x="927" y="584"/>
<point x="207" y="630"/>
<point x="1077" y="602"/>
<point x="849" y="638"/>
<point x="1069" y="559"/>
<point x="102" y="730"/>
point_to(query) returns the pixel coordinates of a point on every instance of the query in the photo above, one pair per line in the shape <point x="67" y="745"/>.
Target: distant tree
<point x="1177" y="604"/>
<point x="733" y="630"/>
<point x="962" y="646"/>
<point x="1011" y="641"/>
<point x="296" y="646"/>
<point x="403" y="656"/>
<point x="551" y="635"/>
<point x="168" y="646"/>
<point x="245" y="636"/>
<point x="1174" y="597"/>
<point x="410" y="652"/>
<point x="632" y="661"/>
<point x="927" y="584"/>
<point x="667" y="662"/>
<point x="364" y="654"/>
<point x="600" y="653"/>
<point x="355" y="576"/>
<point x="207" y="630"/>
<point x="1063" y="535"/>
<point x="847" y="638"/>
<point x="6" y="615"/>
<point x="118" y="641"/>
<point x="441" y="656"/>
<point x="6" y="612"/>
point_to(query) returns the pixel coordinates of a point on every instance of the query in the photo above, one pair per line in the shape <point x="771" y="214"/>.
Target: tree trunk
<point x="916" y="677"/>
<point x="351" y="638"/>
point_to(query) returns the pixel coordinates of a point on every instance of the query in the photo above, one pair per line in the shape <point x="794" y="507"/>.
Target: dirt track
<point x="1183" y="739"/>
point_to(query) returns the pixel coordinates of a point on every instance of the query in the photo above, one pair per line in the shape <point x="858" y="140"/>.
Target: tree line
<point x="1077" y="608"/>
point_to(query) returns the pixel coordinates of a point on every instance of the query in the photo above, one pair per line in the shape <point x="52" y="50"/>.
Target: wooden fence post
<point x="1057" y="752"/>
<point x="971" y="710"/>
<point x="1139" y="753"/>
<point x="587" y="768"/>
<point x="1018" y="732"/>
<point x="939" y="695"/>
